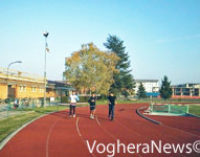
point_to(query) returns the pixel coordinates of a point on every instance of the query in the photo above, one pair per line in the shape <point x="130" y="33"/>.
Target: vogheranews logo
<point x="118" y="147"/>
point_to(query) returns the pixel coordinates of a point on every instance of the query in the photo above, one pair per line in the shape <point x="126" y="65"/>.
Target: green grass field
<point x="195" y="109"/>
<point x="7" y="126"/>
<point x="10" y="124"/>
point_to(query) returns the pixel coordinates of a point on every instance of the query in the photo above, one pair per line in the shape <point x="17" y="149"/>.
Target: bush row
<point x="65" y="99"/>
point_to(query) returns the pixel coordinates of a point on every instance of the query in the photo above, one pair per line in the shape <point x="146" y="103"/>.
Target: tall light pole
<point x="45" y="34"/>
<point x="8" y="71"/>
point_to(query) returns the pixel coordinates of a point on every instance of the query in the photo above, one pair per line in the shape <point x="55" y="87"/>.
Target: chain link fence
<point x="10" y="107"/>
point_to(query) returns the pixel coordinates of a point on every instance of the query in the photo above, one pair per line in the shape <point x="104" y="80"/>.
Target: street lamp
<point x="8" y="71"/>
<point x="13" y="63"/>
<point x="45" y="34"/>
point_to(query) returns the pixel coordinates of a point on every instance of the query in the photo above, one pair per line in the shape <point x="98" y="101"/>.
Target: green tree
<point x="165" y="91"/>
<point x="123" y="81"/>
<point x="141" y="93"/>
<point x="90" y="68"/>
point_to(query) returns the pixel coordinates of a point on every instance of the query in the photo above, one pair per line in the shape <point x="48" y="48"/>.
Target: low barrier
<point x="145" y="117"/>
<point x="170" y="108"/>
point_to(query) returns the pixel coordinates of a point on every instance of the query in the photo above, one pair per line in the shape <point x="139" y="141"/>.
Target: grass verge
<point x="194" y="109"/>
<point x="10" y="124"/>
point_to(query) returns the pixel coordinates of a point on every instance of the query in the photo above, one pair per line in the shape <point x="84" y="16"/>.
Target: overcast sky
<point x="162" y="37"/>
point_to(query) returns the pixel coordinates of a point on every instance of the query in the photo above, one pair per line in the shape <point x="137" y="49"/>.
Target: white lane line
<point x="126" y="127"/>
<point x="9" y="137"/>
<point x="98" y="121"/>
<point x="186" y="132"/>
<point x="77" y="127"/>
<point x="106" y="131"/>
<point x="48" y="137"/>
<point x="79" y="133"/>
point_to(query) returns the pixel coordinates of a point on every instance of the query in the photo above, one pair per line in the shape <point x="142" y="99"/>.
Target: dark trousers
<point x="72" y="109"/>
<point x="111" y="111"/>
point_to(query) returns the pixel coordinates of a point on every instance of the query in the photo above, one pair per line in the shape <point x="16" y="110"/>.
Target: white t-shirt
<point x="73" y="98"/>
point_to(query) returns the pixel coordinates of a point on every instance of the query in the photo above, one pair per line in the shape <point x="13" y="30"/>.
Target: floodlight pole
<point x="45" y="56"/>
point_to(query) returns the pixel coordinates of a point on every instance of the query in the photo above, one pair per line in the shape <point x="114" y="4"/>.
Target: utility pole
<point x="45" y="80"/>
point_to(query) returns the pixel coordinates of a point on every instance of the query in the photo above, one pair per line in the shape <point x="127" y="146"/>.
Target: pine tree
<point x="165" y="91"/>
<point x="141" y="91"/>
<point x="123" y="81"/>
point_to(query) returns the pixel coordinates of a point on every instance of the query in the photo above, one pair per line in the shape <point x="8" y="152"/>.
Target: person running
<point x="111" y="99"/>
<point x="73" y="98"/>
<point x="92" y="102"/>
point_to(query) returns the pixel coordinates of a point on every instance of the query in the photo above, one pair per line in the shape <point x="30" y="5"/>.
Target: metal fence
<point x="13" y="107"/>
<point x="170" y="108"/>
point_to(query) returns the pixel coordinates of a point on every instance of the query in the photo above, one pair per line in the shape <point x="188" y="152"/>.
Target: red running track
<point x="57" y="135"/>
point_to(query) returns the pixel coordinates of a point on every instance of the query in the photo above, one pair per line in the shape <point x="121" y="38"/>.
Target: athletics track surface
<point x="57" y="135"/>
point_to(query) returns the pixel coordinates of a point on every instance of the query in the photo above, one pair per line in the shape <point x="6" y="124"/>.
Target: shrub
<point x="9" y="100"/>
<point x="64" y="99"/>
<point x="83" y="98"/>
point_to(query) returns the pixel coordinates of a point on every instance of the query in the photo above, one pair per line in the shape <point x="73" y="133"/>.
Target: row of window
<point x="33" y="89"/>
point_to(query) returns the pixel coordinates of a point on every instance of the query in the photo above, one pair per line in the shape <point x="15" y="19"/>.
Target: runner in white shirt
<point x="73" y="100"/>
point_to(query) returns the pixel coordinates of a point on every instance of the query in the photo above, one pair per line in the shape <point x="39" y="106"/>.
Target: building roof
<point x="59" y="85"/>
<point x="190" y="84"/>
<point x="14" y="76"/>
<point x="186" y="85"/>
<point x="146" y="80"/>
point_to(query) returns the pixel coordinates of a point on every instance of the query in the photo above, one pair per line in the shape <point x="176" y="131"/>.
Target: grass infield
<point x="195" y="109"/>
<point x="10" y="124"/>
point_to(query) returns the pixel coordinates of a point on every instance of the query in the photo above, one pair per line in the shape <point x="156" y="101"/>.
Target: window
<point x="24" y="88"/>
<point x="41" y="90"/>
<point x="33" y="89"/>
<point x="21" y="88"/>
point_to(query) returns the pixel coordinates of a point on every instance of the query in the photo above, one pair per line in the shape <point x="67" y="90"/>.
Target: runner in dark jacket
<point x="112" y="100"/>
<point x="92" y="102"/>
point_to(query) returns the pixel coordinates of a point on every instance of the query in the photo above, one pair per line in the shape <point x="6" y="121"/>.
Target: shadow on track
<point x="65" y="115"/>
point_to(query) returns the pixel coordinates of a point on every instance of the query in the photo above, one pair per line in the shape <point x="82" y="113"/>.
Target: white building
<point x="151" y="86"/>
